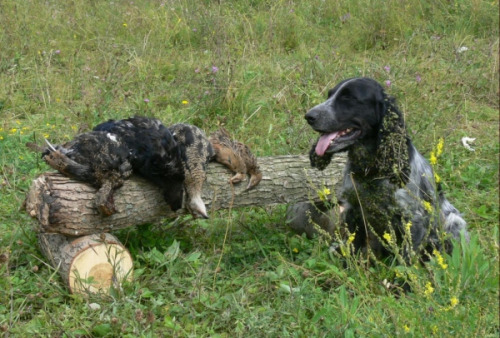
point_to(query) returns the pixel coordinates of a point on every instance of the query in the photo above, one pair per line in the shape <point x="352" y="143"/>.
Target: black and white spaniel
<point x="389" y="192"/>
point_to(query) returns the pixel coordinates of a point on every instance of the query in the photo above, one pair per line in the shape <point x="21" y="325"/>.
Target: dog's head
<point x="353" y="112"/>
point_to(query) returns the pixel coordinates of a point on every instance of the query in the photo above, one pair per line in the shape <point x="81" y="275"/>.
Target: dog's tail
<point x="452" y="220"/>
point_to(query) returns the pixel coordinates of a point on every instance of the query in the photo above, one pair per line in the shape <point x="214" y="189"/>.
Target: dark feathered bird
<point x="196" y="152"/>
<point x="98" y="158"/>
<point x="153" y="153"/>
<point x="237" y="157"/>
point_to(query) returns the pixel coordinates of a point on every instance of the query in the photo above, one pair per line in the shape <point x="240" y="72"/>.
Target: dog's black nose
<point x="311" y="116"/>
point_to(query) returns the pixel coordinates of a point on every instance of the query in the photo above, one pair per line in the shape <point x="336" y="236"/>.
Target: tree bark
<point x="65" y="206"/>
<point x="89" y="263"/>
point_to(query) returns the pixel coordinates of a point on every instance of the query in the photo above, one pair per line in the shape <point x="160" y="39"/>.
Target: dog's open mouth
<point x="327" y="141"/>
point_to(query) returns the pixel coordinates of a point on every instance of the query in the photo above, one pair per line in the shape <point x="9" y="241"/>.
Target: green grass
<point x="65" y="66"/>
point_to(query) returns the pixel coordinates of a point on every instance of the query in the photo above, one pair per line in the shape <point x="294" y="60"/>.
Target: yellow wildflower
<point x="351" y="238"/>
<point x="434" y="329"/>
<point x="439" y="147"/>
<point x="295" y="250"/>
<point x="428" y="289"/>
<point x="13" y="130"/>
<point x="440" y="259"/>
<point x="428" y="206"/>
<point x="1" y="129"/>
<point x="185" y="101"/>
<point x="125" y="25"/>
<point x="406" y="328"/>
<point x="46" y="135"/>
<point x="408" y="226"/>
<point x="343" y="251"/>
<point x="453" y="303"/>
<point x="433" y="159"/>
<point x="1" y="138"/>
<point x="387" y="237"/>
<point x="323" y="194"/>
<point x="437" y="178"/>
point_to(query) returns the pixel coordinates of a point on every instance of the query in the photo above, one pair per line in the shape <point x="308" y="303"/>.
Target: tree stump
<point x="65" y="209"/>
<point x="90" y="263"/>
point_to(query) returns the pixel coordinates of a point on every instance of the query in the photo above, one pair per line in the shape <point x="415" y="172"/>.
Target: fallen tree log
<point x="72" y="233"/>
<point x="65" y="206"/>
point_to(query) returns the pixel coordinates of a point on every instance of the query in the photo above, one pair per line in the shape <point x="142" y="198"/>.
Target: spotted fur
<point x="388" y="185"/>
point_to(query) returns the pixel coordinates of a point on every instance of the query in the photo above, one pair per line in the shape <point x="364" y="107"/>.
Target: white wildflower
<point x="466" y="141"/>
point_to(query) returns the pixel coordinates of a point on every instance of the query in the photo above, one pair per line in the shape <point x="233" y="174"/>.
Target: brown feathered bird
<point x="237" y="157"/>
<point x="97" y="158"/>
<point x="196" y="152"/>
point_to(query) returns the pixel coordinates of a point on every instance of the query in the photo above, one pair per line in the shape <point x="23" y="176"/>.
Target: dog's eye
<point x="346" y="97"/>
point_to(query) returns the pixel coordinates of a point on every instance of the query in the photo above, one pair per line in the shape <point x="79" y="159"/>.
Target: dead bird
<point x="196" y="152"/>
<point x="154" y="154"/>
<point x="98" y="158"/>
<point x="237" y="157"/>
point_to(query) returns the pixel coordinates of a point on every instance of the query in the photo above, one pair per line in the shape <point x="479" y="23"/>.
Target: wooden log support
<point x="89" y="263"/>
<point x="73" y="235"/>
<point x="65" y="206"/>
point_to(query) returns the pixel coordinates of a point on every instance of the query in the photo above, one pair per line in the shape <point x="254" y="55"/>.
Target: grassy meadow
<point x="254" y="66"/>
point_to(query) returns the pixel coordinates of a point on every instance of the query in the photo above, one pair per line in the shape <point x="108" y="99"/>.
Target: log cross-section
<point x="65" y="206"/>
<point x="89" y="263"/>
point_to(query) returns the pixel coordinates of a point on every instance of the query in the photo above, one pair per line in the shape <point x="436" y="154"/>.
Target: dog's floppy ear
<point x="319" y="162"/>
<point x="393" y="143"/>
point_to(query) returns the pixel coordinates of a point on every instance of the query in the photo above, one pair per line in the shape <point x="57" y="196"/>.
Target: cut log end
<point x="90" y="263"/>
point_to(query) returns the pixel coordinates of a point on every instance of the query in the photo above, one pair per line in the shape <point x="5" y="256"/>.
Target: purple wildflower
<point x="146" y="100"/>
<point x="418" y="78"/>
<point x="345" y="17"/>
<point x="388" y="83"/>
<point x="57" y="51"/>
<point x="215" y="69"/>
<point x="387" y="68"/>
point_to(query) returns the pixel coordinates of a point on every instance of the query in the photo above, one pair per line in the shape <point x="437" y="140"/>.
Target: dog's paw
<point x="319" y="162"/>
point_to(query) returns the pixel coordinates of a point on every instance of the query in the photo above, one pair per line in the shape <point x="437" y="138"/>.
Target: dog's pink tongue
<point x="324" y="143"/>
